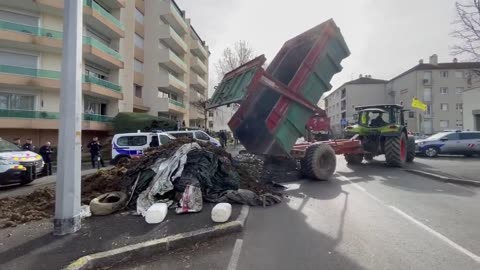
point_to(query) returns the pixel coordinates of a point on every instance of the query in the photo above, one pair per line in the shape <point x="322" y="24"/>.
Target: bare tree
<point x="233" y="57"/>
<point x="467" y="29"/>
<point x="202" y="104"/>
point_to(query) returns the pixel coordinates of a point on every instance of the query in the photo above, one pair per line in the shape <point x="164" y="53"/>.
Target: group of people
<point x="46" y="152"/>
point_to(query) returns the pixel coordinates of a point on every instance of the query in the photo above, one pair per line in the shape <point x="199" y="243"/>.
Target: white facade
<point x="471" y="109"/>
<point x="218" y="118"/>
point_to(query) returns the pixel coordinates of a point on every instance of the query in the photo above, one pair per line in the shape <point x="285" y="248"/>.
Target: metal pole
<point x="67" y="194"/>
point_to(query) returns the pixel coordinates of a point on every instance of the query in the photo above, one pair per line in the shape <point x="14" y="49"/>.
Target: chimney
<point x="455" y="60"/>
<point x="434" y="59"/>
<point x="361" y="76"/>
<point x="420" y="61"/>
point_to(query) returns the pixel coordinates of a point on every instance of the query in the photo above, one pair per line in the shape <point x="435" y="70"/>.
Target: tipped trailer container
<point x="276" y="103"/>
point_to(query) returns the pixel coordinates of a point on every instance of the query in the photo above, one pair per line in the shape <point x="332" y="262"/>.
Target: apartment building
<point x="141" y="56"/>
<point x="440" y="86"/>
<point x="340" y="103"/>
<point x="218" y="118"/>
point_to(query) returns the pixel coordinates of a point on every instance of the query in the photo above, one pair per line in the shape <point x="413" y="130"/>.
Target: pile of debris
<point x="178" y="173"/>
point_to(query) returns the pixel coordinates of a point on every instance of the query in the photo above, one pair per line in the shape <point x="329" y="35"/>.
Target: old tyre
<point x="368" y="157"/>
<point x="108" y="203"/>
<point x="319" y="162"/>
<point x="411" y="149"/>
<point x="396" y="150"/>
<point x="354" y="159"/>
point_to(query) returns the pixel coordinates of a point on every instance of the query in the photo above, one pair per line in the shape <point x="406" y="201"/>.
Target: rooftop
<point x="451" y="65"/>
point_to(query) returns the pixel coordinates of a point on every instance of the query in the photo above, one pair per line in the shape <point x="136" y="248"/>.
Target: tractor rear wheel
<point x="319" y="162"/>
<point x="354" y="159"/>
<point x="411" y="149"/>
<point x="396" y="150"/>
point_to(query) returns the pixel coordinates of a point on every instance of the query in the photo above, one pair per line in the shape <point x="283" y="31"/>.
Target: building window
<point x="444" y="107"/>
<point x="94" y="107"/>
<point x="459" y="90"/>
<point x="459" y="106"/>
<point x="459" y="74"/>
<point x="138" y="66"/>
<point x="343" y="105"/>
<point x="429" y="110"/>
<point x="138" y="40"/>
<point x="427" y="77"/>
<point x="210" y="124"/>
<point x="427" y="94"/>
<point x="16" y="102"/>
<point x="138" y="90"/>
<point x="444" y="123"/>
<point x="444" y="74"/>
<point x="411" y="114"/>
<point x="444" y="90"/>
<point x="139" y="16"/>
<point x="210" y="113"/>
<point x="459" y="123"/>
<point x="344" y="92"/>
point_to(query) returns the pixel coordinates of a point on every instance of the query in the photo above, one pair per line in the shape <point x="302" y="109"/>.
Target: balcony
<point x="29" y="38"/>
<point x="197" y="81"/>
<point x="139" y="54"/>
<point x="100" y="19"/>
<point x="171" y="13"/>
<point x="198" y="66"/>
<point x="23" y="119"/>
<point x="199" y="50"/>
<point x="138" y="105"/>
<point x="171" y="106"/>
<point x="170" y="60"/>
<point x="29" y="77"/>
<point x="100" y="53"/>
<point x="196" y="113"/>
<point x="172" y="39"/>
<point x="170" y="82"/>
<point x="97" y="87"/>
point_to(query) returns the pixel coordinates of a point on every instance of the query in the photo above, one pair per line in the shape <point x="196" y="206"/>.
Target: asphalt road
<point x="458" y="166"/>
<point x="366" y="217"/>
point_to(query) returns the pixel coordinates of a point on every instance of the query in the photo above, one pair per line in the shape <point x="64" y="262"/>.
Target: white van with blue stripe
<point x="130" y="145"/>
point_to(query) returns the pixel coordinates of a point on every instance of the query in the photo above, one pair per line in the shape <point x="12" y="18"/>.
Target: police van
<point x="18" y="166"/>
<point x="130" y="145"/>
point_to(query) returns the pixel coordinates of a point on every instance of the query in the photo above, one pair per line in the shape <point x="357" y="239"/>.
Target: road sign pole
<point x="67" y="192"/>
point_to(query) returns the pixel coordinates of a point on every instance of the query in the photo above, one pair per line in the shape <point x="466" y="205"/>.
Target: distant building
<point x="340" y="103"/>
<point x="439" y="85"/>
<point x="471" y="102"/>
<point x="218" y="118"/>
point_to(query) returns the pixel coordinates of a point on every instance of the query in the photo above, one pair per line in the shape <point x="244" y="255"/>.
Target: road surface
<point x="366" y="217"/>
<point x="458" y="166"/>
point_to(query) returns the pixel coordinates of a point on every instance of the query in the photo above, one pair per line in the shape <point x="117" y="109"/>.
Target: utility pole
<point x="68" y="185"/>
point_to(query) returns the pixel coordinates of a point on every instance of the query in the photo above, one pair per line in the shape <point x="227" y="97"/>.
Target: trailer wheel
<point x="319" y="162"/>
<point x="354" y="159"/>
<point x="368" y="157"/>
<point x="396" y="150"/>
<point x="411" y="149"/>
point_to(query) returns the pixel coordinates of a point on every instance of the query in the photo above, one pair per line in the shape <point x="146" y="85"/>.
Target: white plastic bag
<point x="191" y="201"/>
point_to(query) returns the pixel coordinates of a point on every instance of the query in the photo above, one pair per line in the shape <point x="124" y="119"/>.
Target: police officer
<point x="28" y="146"/>
<point x="95" y="148"/>
<point x="46" y="153"/>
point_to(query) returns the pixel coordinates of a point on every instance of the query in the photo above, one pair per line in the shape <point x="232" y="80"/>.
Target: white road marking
<point x="237" y="249"/>
<point x="440" y="236"/>
<point x="437" y="234"/>
<point x="461" y="187"/>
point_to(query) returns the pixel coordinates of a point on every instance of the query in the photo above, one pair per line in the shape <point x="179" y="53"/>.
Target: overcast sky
<point x="385" y="37"/>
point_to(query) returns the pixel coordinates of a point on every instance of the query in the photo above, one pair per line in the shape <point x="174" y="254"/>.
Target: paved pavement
<point x="366" y="217"/>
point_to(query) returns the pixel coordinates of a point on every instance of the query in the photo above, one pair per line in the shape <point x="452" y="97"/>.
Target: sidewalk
<point x="32" y="246"/>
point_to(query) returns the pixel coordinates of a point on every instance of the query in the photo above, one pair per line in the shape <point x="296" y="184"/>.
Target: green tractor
<point x="382" y="131"/>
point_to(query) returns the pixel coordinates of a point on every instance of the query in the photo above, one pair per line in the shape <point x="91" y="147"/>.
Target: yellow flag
<point x="418" y="104"/>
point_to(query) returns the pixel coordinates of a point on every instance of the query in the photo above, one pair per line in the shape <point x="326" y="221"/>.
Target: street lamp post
<point x="68" y="185"/>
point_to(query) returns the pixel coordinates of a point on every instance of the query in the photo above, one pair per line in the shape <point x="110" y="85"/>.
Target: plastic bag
<point x="191" y="201"/>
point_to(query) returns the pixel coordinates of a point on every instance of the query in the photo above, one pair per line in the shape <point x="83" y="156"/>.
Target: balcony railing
<point x="49" y="115"/>
<point x="31" y="72"/>
<point x="92" y="4"/>
<point x="104" y="83"/>
<point x="97" y="118"/>
<point x="99" y="45"/>
<point x="27" y="29"/>
<point x="176" y="102"/>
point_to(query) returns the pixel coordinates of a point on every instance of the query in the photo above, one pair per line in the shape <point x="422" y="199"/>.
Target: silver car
<point x="454" y="142"/>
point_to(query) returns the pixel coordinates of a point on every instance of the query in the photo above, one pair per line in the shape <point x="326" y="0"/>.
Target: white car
<point x="195" y="134"/>
<point x="18" y="166"/>
<point x="130" y="145"/>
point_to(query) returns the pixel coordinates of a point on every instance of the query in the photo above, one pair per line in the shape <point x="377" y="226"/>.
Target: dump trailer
<point x="276" y="103"/>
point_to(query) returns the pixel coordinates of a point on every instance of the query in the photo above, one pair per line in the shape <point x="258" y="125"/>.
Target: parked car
<point x="130" y="145"/>
<point x="452" y="142"/>
<point x="195" y="134"/>
<point x="18" y="166"/>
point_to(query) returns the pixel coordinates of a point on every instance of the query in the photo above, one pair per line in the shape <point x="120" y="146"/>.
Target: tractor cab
<point x="376" y="116"/>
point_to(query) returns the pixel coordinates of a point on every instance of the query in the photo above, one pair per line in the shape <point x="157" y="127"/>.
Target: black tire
<point x="411" y="149"/>
<point x="319" y="162"/>
<point x="468" y="155"/>
<point x="396" y="150"/>
<point x="368" y="157"/>
<point x="354" y="159"/>
<point x="431" y="152"/>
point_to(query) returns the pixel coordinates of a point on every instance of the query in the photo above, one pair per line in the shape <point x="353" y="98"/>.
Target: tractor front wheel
<point x="319" y="162"/>
<point x="354" y="159"/>
<point x="396" y="150"/>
